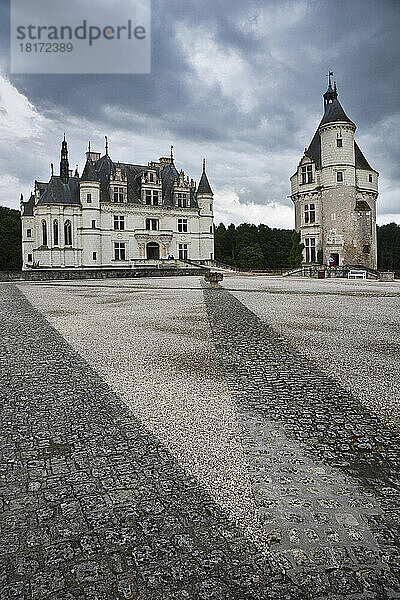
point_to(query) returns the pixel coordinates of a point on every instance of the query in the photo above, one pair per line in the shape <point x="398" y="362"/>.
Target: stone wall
<point x="69" y="274"/>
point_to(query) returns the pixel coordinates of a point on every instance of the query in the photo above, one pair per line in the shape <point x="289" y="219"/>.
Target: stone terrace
<point x="166" y="440"/>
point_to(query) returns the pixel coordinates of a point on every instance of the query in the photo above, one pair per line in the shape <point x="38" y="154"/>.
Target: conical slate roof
<point x="89" y="172"/>
<point x="204" y="185"/>
<point x="334" y="112"/>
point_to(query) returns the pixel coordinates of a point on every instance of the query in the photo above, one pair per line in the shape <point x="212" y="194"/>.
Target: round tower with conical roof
<point x="334" y="191"/>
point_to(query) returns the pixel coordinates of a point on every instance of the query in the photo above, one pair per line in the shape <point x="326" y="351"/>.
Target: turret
<point x="204" y="195"/>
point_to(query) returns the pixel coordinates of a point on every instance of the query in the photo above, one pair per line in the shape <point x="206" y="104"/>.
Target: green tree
<point x="251" y="257"/>
<point x="10" y="239"/>
<point x="295" y="255"/>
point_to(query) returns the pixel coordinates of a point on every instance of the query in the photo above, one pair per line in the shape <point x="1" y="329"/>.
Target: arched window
<point x="68" y="233"/>
<point x="55" y="232"/>
<point x="44" y="233"/>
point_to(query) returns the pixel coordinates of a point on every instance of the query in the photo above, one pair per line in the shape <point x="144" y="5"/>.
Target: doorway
<point x="152" y="251"/>
<point x="336" y="259"/>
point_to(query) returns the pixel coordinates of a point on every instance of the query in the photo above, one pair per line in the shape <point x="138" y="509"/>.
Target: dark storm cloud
<point x="273" y="103"/>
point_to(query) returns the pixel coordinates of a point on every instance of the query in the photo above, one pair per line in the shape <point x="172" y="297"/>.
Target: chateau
<point x="117" y="215"/>
<point x="334" y="191"/>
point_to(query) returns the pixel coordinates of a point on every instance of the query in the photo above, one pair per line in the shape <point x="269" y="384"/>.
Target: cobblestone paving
<point x="151" y="342"/>
<point x="325" y="473"/>
<point x="342" y="326"/>
<point x="93" y="505"/>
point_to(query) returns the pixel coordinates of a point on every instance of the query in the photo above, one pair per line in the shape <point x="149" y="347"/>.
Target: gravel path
<point x="153" y="346"/>
<point x="348" y="329"/>
<point x="325" y="474"/>
<point x="93" y="505"/>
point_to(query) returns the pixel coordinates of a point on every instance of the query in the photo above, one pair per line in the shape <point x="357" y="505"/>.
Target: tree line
<point x="246" y="246"/>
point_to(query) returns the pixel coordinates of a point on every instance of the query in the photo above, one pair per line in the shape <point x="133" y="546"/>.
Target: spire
<point x="76" y="174"/>
<point x="64" y="166"/>
<point x="204" y="185"/>
<point x="331" y="93"/>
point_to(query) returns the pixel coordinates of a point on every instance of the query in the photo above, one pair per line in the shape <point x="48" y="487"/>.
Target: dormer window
<point x="119" y="195"/>
<point x="339" y="142"/>
<point x="151" y="197"/>
<point x="182" y="200"/>
<point x="306" y="174"/>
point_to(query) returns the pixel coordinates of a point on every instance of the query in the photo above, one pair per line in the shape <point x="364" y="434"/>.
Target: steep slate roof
<point x="27" y="207"/>
<point x="204" y="185"/>
<point x="334" y="112"/>
<point x="57" y="192"/>
<point x="89" y="172"/>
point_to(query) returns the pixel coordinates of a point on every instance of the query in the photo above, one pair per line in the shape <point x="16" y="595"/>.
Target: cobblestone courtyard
<point x="165" y="440"/>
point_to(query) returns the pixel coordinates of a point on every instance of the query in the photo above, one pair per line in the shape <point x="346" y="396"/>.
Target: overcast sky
<point x="237" y="82"/>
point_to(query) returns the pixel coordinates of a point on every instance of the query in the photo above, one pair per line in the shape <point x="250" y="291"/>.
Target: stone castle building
<point x="117" y="215"/>
<point x="334" y="191"/>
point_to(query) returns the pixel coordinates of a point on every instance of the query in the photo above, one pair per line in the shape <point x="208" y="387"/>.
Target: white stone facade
<point x="334" y="191"/>
<point x="117" y="215"/>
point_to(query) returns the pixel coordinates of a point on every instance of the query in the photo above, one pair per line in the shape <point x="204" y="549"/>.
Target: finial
<point x="89" y="150"/>
<point x="64" y="137"/>
<point x="204" y="165"/>
<point x="172" y="154"/>
<point x="106" y="145"/>
<point x="52" y="169"/>
<point x="334" y="86"/>
<point x="76" y="171"/>
<point x="330" y="74"/>
<point x="22" y="198"/>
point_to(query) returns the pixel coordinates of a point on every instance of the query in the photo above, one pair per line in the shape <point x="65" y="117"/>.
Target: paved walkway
<point x="97" y="504"/>
<point x="326" y="475"/>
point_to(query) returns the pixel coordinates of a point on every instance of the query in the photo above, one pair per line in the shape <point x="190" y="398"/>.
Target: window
<point x="211" y="228"/>
<point x="182" y="199"/>
<point x="151" y="177"/>
<point x="119" y="222"/>
<point x="118" y="195"/>
<point x="152" y="197"/>
<point x="339" y="176"/>
<point x="370" y="178"/>
<point x="94" y="255"/>
<point x="333" y="216"/>
<point x="339" y="142"/>
<point x="44" y="233"/>
<point x="306" y="174"/>
<point x="119" y="250"/>
<point x="310" y="250"/>
<point x="55" y="232"/>
<point x="182" y="225"/>
<point x="68" y="233"/>
<point x="309" y="213"/>
<point x="89" y="198"/>
<point x="183" y="251"/>
<point x="93" y="224"/>
<point x="210" y="207"/>
<point x="152" y="224"/>
<point x="366" y="249"/>
<point x="29" y="257"/>
<point x="29" y="233"/>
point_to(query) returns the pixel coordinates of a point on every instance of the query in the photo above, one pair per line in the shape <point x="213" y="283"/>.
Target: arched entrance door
<point x="152" y="251"/>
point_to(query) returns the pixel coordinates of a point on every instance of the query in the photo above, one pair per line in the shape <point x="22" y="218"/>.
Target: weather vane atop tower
<point x="330" y="74"/>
